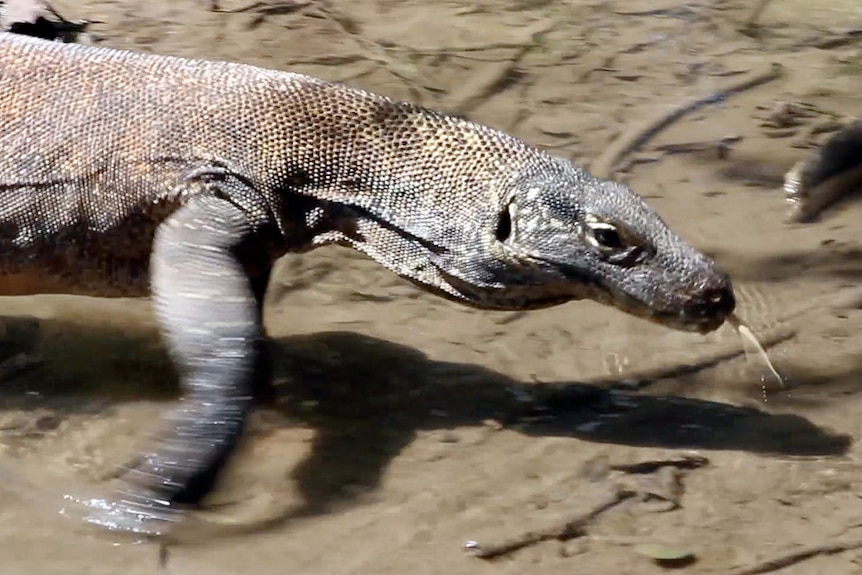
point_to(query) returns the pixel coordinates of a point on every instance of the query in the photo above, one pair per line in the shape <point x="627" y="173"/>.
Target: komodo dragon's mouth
<point x="704" y="313"/>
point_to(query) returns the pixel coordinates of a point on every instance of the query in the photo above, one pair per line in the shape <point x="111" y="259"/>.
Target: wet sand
<point x="406" y="425"/>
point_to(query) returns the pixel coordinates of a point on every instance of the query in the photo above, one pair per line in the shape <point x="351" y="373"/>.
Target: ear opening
<point x="504" y="225"/>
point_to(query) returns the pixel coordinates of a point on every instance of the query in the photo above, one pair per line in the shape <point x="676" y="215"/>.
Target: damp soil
<point x="406" y="426"/>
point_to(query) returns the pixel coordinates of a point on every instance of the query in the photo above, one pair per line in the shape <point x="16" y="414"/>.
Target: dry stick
<point x="754" y="16"/>
<point x="569" y="530"/>
<point x="836" y="39"/>
<point x="489" y="80"/>
<point x="633" y="139"/>
<point x="265" y="8"/>
<point x="796" y="556"/>
<point x="375" y="51"/>
<point x="437" y="51"/>
<point x="494" y="76"/>
<point x="328" y="60"/>
<point x="360" y="73"/>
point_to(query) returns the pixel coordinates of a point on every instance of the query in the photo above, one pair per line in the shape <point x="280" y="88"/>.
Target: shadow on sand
<point x="367" y="398"/>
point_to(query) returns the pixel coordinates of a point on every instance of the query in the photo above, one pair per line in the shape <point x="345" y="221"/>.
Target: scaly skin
<point x="124" y="173"/>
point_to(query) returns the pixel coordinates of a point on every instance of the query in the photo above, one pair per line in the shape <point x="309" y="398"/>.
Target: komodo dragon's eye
<point x="606" y="236"/>
<point x="614" y="242"/>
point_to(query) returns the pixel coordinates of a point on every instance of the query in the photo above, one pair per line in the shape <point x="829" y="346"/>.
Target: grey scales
<point x="128" y="174"/>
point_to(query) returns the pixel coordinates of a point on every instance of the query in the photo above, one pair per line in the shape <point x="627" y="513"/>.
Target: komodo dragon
<point x="124" y="173"/>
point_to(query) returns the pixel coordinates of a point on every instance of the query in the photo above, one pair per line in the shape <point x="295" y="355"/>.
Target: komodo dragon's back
<point x="96" y="144"/>
<point x="123" y="173"/>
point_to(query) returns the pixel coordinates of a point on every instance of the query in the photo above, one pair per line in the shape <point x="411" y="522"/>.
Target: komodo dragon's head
<point x="558" y="234"/>
<point x="552" y="234"/>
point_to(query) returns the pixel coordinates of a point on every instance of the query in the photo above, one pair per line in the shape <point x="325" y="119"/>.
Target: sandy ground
<point x="407" y="426"/>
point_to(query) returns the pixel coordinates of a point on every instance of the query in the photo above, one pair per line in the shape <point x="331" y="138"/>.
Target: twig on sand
<point x="495" y="75"/>
<point x="371" y="49"/>
<point x="631" y="140"/>
<point x="262" y="8"/>
<point x="753" y="16"/>
<point x="577" y="527"/>
<point x="796" y="556"/>
<point x="686" y="462"/>
<point x="568" y="530"/>
<point x="836" y="39"/>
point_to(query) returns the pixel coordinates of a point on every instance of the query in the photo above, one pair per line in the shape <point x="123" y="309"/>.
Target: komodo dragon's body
<point x="123" y="173"/>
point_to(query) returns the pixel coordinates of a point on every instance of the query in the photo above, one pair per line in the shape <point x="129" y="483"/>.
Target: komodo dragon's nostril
<point x="712" y="303"/>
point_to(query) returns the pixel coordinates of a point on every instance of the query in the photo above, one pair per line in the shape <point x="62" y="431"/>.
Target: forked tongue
<point x="747" y="335"/>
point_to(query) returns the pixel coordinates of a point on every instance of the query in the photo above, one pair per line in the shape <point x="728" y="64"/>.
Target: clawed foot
<point x="159" y="486"/>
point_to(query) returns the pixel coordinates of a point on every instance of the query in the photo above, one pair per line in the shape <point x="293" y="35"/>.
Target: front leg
<point x="210" y="317"/>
